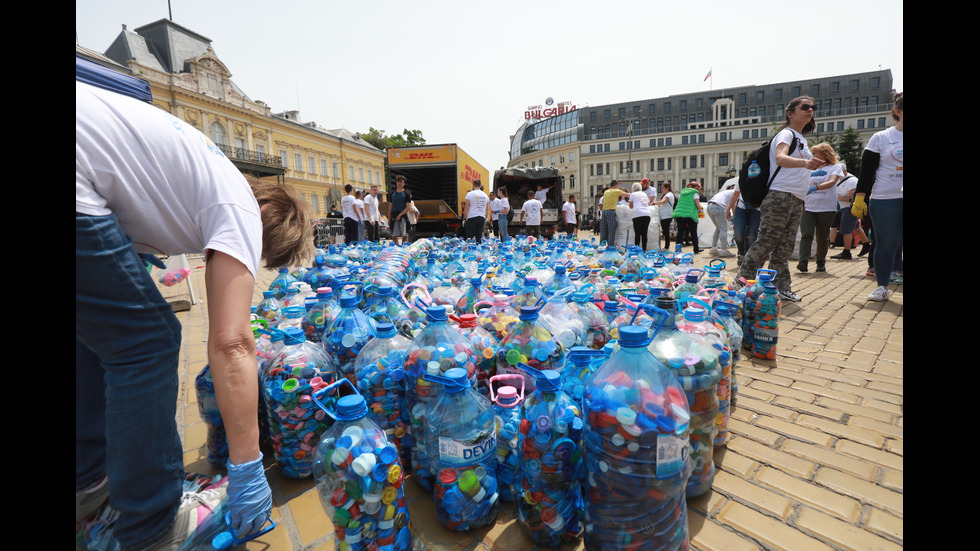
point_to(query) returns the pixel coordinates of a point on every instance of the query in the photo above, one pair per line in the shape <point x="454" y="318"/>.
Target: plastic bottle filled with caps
<point x="531" y="343"/>
<point x="380" y="378"/>
<point x="507" y="400"/>
<point x="360" y="479"/>
<point x="636" y="445"/>
<point x="350" y="330"/>
<point x="727" y="384"/>
<point x="460" y="433"/>
<point x="280" y="284"/>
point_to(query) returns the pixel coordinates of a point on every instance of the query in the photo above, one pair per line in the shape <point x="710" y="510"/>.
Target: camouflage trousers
<point x="779" y="221"/>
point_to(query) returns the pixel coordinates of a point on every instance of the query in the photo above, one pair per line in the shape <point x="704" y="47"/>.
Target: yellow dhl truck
<point x="438" y="177"/>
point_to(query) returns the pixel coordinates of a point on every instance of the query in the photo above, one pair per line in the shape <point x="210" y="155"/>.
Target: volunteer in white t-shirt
<point x="361" y="214"/>
<point x="495" y="215"/>
<point x="373" y="216"/>
<point x="477" y="209"/>
<point x="882" y="171"/>
<point x="640" y="214"/>
<point x="532" y="210"/>
<point x="847" y="224"/>
<point x="503" y="218"/>
<point x="717" y="211"/>
<point x="542" y="193"/>
<point x="568" y="212"/>
<point x="820" y="207"/>
<point x="147" y="182"/>
<point x="666" y="209"/>
<point x="348" y="206"/>
<point x="783" y="206"/>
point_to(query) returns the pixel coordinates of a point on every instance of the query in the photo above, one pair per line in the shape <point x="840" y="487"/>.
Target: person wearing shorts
<point x="398" y="210"/>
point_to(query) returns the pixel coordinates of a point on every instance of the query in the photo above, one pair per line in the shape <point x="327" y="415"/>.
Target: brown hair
<point x="827" y="151"/>
<point x="287" y="234"/>
<point x="399" y="178"/>
<point x="810" y="126"/>
<point x="898" y="98"/>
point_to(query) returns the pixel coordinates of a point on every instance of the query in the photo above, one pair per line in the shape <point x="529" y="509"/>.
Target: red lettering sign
<point x="470" y="174"/>
<point x="421" y="156"/>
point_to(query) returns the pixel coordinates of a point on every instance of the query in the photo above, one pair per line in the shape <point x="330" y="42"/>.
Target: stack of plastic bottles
<point x="360" y="480"/>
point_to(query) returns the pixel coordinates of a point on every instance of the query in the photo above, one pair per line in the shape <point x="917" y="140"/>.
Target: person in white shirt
<point x="820" y="207"/>
<point x="373" y="216"/>
<point x="846" y="224"/>
<point x="495" y="215"/>
<point x="649" y="190"/>
<point x="666" y="204"/>
<point x="542" y="194"/>
<point x="149" y="183"/>
<point x="719" y="213"/>
<point x="348" y="206"/>
<point x="640" y="214"/>
<point x="503" y="218"/>
<point x="361" y="214"/>
<point x="476" y="205"/>
<point x="568" y="212"/>
<point x="532" y="209"/>
<point x="782" y="208"/>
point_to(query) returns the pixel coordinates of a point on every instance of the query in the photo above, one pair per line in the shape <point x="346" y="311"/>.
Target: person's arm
<point x="234" y="369"/>
<point x="487" y="217"/>
<point x="784" y="160"/>
<point x="732" y="204"/>
<point x="869" y="170"/>
<point x="829" y="183"/>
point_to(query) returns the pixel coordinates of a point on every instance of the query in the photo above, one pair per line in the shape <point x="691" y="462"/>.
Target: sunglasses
<point x="807" y="107"/>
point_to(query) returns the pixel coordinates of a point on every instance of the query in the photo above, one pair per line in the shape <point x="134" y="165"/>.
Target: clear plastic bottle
<point x="460" y="433"/>
<point x="530" y="294"/>
<point x="727" y="384"/>
<point x="531" y="343"/>
<point x="380" y="377"/>
<point x="690" y="287"/>
<point x="436" y="349"/>
<point x="280" y="285"/>
<point x="269" y="309"/>
<point x="507" y="417"/>
<point x="550" y="445"/>
<point x="765" y="326"/>
<point x="350" y="330"/>
<point x="485" y="346"/>
<point x="360" y="480"/>
<point x="596" y="326"/>
<point x="580" y="363"/>
<point x="292" y="316"/>
<point x="288" y="383"/>
<point x="636" y="444"/>
<point x="321" y="315"/>
<point x="750" y="294"/>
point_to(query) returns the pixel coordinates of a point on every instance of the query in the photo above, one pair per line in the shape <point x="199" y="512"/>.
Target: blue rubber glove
<point x="812" y="189"/>
<point x="249" y="497"/>
<point x="818" y="172"/>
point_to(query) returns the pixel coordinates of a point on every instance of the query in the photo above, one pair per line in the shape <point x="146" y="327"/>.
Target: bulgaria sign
<point x="539" y="112"/>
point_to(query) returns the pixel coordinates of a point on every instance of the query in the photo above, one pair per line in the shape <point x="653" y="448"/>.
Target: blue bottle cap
<point x="349" y="301"/>
<point x="528" y="313"/>
<point x="351" y="407"/>
<point x="385" y="329"/>
<point x="386" y="291"/>
<point x="631" y="336"/>
<point x="294" y="335"/>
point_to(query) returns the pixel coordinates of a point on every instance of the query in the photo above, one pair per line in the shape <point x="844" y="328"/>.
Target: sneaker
<point x="865" y="248"/>
<point x="870" y="272"/>
<point x="89" y="500"/>
<point x="194" y="508"/>
<point x="896" y="277"/>
<point x="790" y="296"/>
<point x="821" y="267"/>
<point x="844" y="255"/>
<point x="879" y="295"/>
<point x="725" y="253"/>
<point x="802" y="266"/>
<point x="713" y="252"/>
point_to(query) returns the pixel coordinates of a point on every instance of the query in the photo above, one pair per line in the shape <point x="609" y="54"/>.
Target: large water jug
<point x="507" y="417"/>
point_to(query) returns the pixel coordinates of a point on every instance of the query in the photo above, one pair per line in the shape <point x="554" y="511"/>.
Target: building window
<point x="700" y="103"/>
<point x="871" y="123"/>
<point x="636" y="144"/>
<point x="350" y="172"/>
<point x="683" y="140"/>
<point x="683" y="105"/>
<point x="571" y="157"/>
<point x="778" y="93"/>
<point x="745" y="134"/>
<point x="819" y="127"/>
<point x="652" y="108"/>
<point x="755" y="133"/>
<point x="816" y="89"/>
<point x="370" y="178"/>
<point x="311" y="164"/>
<point x="684" y="162"/>
<point x="700" y="138"/>
<point x="552" y="160"/>
<point x="592" y="148"/>
<point x="298" y="159"/>
<point x="323" y="167"/>
<point x="606" y="114"/>
<point x="760" y="96"/>
<point x="834" y="87"/>
<point x="694" y="161"/>
<point x="660" y="164"/>
<point x="669" y="141"/>
<point x="881" y="122"/>
<point x="860" y="124"/>
<point x="622" y="146"/>
<point x="669" y="159"/>
<point x="702" y="161"/>
<point x="796" y="92"/>
<point x="607" y="148"/>
<point x="653" y="142"/>
<point x="667" y="110"/>
<point x="875" y="82"/>
<point x="283" y="158"/>
<point x="571" y="181"/>
<point x="592" y="116"/>
<point x="855" y="85"/>
<point x="622" y="111"/>
<point x="741" y="97"/>
<point x="336" y="170"/>
<point x="722" y="159"/>
<point x="591" y="170"/>
<point x="316" y="204"/>
<point x="218" y="134"/>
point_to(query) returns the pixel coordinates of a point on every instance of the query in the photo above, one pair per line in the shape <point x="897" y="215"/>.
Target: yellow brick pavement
<point x="815" y="460"/>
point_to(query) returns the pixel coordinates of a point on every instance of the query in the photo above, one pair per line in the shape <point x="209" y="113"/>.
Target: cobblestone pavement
<point x="815" y="460"/>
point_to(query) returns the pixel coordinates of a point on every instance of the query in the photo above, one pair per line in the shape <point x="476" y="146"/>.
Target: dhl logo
<point x="414" y="156"/>
<point x="471" y="174"/>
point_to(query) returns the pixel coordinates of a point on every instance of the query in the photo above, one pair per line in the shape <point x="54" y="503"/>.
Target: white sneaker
<point x="713" y="252"/>
<point x="725" y="253"/>
<point x="879" y="295"/>
<point x="790" y="296"/>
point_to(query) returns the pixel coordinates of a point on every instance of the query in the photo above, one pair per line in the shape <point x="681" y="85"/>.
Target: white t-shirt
<point x="844" y="189"/>
<point x="569" y="209"/>
<point x="741" y="204"/>
<point x="541" y="195"/>
<point x="722" y="198"/>
<point x="667" y="209"/>
<point x="477" y="202"/>
<point x="360" y="209"/>
<point x="172" y="190"/>
<point x="641" y="204"/>
<point x="651" y="193"/>
<point x="823" y="200"/>
<point x="347" y="203"/>
<point x="494" y="208"/>
<point x="371" y="206"/>
<point x="532" y="212"/>
<point x="504" y="205"/>
<point x="888" y="179"/>
<point x="795" y="181"/>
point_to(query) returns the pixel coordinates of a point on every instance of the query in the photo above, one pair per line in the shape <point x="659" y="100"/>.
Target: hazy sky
<point x="464" y="72"/>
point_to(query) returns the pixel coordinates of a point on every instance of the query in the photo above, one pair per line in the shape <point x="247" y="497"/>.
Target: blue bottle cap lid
<point x="223" y="540"/>
<point x="349" y="301"/>
<point x="351" y="407"/>
<point x="386" y="291"/>
<point x="436" y="312"/>
<point x="268" y="294"/>
<point x="385" y="329"/>
<point x="631" y="336"/>
<point x="294" y="335"/>
<point x="528" y="312"/>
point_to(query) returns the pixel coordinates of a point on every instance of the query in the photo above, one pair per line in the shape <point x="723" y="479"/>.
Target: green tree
<point x="382" y="141"/>
<point x="849" y="150"/>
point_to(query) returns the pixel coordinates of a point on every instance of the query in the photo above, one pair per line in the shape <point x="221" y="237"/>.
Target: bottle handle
<point x="506" y="377"/>
<point x="329" y="389"/>
<point x="227" y="539"/>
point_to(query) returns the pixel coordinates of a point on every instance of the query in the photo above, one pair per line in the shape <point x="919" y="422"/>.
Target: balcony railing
<point x="242" y="154"/>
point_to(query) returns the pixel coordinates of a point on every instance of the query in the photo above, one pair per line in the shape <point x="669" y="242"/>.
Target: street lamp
<point x="630" y="121"/>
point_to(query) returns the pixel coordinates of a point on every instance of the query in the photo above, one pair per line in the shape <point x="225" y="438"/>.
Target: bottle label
<point x="671" y="455"/>
<point x="764" y="335"/>
<point x="466" y="453"/>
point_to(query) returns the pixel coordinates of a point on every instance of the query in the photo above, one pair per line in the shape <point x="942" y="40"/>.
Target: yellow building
<point x="189" y="81"/>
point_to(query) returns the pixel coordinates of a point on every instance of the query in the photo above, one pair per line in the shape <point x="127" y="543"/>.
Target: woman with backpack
<point x="790" y="165"/>
<point x="666" y="203"/>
